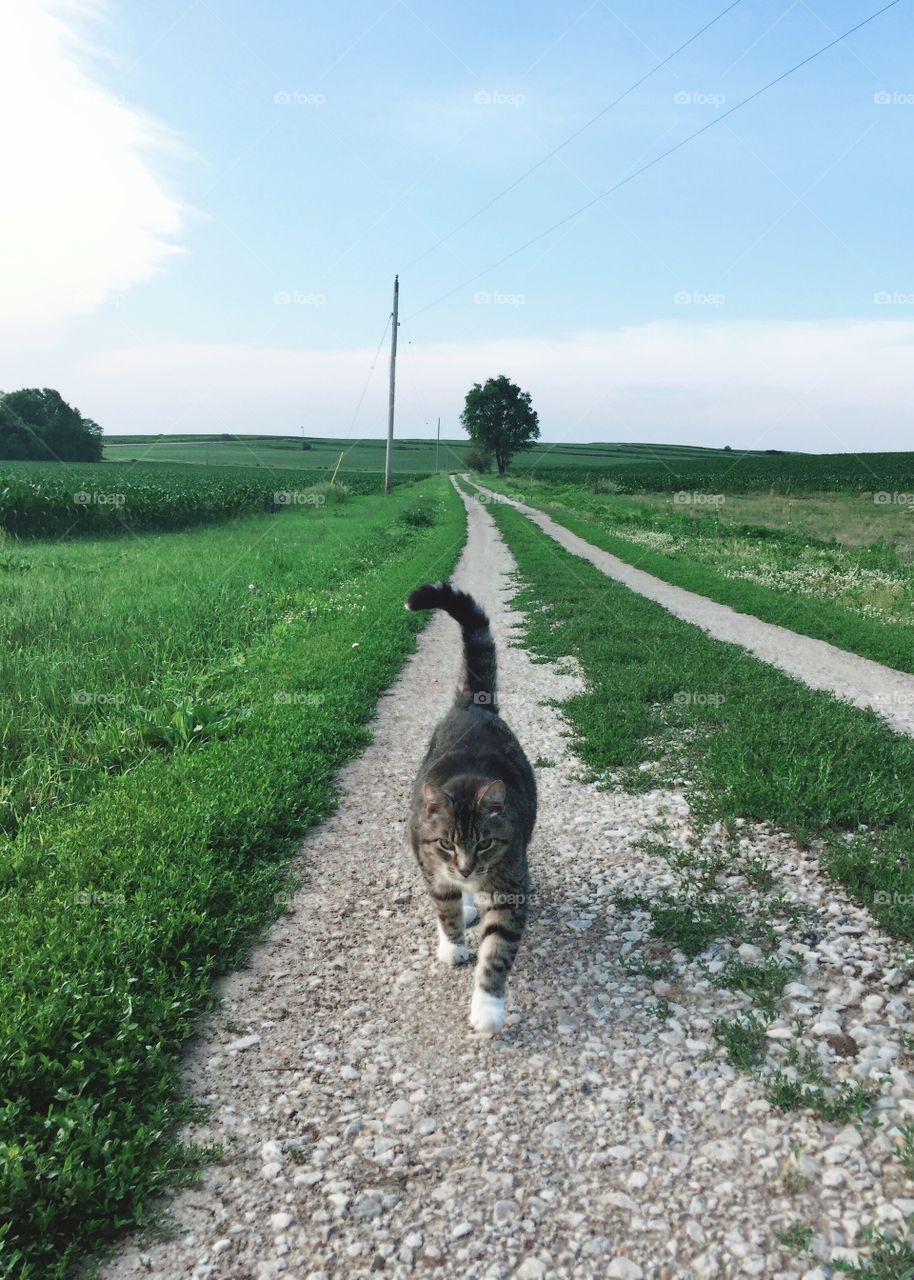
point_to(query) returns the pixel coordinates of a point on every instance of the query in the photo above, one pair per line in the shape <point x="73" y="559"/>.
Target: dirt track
<point x="857" y="680"/>
<point x="365" y="1129"/>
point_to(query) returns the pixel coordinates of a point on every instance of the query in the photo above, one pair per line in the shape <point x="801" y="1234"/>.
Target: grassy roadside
<point x="750" y="745"/>
<point x="119" y="907"/>
<point x="697" y="555"/>
<point x="760" y="746"/>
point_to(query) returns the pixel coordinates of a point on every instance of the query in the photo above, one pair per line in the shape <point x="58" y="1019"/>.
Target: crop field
<point x="174" y="712"/>
<point x="368" y="455"/>
<point x="43" y="498"/>
<point x="885" y="474"/>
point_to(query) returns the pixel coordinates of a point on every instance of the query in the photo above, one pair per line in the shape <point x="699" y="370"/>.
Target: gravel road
<point x="604" y="1134"/>
<point x="821" y="665"/>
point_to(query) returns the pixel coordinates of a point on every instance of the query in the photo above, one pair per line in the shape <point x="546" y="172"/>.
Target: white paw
<point x="487" y="1013"/>
<point x="452" y="953"/>
<point x="470" y="913"/>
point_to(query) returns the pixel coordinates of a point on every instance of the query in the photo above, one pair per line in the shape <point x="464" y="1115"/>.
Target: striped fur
<point x="472" y="815"/>
<point x="478" y="677"/>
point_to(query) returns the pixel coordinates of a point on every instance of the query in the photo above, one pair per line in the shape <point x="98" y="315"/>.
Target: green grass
<point x="760" y="746"/>
<point x="65" y="500"/>
<point x="743" y="1039"/>
<point x="157" y="852"/>
<point x="892" y="1258"/>
<point x="410" y="455"/>
<point x="851" y="519"/>
<point x="860" y="599"/>
<point x="666" y="470"/>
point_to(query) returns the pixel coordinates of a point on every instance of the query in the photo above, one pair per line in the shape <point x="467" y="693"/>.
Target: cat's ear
<point x="491" y="795"/>
<point x="435" y="799"/>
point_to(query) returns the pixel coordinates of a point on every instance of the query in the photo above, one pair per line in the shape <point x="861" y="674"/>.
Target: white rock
<point x="624" y="1269"/>
<point x="531" y="1269"/>
<point x="245" y="1042"/>
<point x="750" y="954"/>
<point x="280" y="1221"/>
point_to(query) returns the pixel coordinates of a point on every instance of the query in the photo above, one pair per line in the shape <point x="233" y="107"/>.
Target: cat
<point x="472" y="815"/>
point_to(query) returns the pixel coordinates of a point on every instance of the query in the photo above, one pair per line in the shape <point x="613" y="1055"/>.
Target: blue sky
<point x="754" y="287"/>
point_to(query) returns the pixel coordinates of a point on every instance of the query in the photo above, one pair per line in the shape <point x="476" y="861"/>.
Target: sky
<point x="206" y="201"/>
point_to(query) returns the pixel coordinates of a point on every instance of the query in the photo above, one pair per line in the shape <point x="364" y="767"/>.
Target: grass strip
<point x="116" y="913"/>
<point x="881" y="640"/>
<point x="755" y="743"/>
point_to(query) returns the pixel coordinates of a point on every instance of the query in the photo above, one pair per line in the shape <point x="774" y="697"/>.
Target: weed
<point x="744" y="1040"/>
<point x="796" y="1237"/>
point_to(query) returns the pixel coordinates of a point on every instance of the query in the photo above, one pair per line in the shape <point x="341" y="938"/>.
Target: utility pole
<point x="393" y="383"/>
<point x="437" y="446"/>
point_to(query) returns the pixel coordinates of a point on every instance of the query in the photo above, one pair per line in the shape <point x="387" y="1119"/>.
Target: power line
<point x="571" y="137"/>
<point x="651" y="163"/>
<point x="368" y="378"/>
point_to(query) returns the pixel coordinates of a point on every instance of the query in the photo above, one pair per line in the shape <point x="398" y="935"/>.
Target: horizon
<point x="230" y="258"/>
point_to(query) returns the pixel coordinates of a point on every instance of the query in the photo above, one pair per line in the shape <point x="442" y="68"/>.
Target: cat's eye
<point x="445" y="847"/>
<point x="485" y="846"/>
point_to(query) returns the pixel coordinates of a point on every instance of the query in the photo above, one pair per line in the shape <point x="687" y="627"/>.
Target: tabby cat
<point x="472" y="815"/>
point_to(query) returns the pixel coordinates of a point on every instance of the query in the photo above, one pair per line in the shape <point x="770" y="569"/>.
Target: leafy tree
<point x="500" y="420"/>
<point x="40" y="424"/>
<point x="479" y="460"/>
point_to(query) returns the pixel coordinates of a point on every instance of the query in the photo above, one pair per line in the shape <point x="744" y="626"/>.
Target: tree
<point x="40" y="424"/>
<point x="478" y="460"/>
<point x="499" y="419"/>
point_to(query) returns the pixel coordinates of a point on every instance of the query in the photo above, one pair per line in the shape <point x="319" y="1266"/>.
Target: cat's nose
<point x="465" y="871"/>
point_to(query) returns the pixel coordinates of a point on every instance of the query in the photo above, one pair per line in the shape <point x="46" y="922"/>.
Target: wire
<point x="651" y="163"/>
<point x="368" y="379"/>
<point x="571" y="137"/>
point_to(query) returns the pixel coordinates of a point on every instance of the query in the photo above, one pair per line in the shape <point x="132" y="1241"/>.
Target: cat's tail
<point x="477" y="679"/>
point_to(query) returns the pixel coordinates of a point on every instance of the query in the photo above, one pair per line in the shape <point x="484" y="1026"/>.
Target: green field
<point x="38" y="499"/>
<point x="368" y="455"/>
<point x="633" y="468"/>
<point x="174" y="712"/>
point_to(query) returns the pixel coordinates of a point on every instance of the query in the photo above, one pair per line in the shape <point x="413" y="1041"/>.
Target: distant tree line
<point x="39" y="425"/>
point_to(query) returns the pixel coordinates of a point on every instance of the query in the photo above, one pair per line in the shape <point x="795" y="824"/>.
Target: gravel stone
<point x="363" y="1129"/>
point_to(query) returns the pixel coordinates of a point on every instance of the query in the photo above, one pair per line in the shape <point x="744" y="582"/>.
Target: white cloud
<point x="83" y="215"/>
<point x="829" y="387"/>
